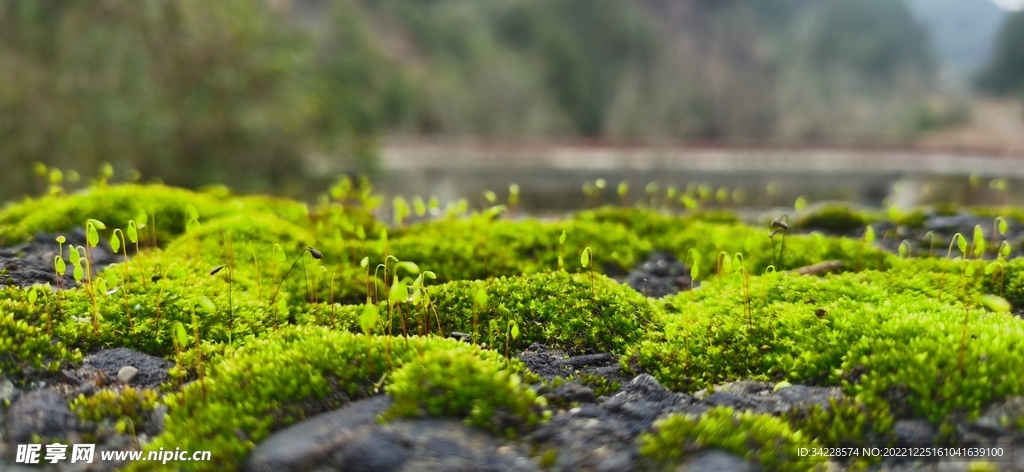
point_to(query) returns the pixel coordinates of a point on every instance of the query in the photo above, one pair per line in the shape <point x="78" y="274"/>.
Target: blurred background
<point x="873" y="101"/>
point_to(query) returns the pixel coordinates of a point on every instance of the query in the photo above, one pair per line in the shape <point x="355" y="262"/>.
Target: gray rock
<point x="152" y="369"/>
<point x="915" y="432"/>
<point x="127" y="373"/>
<point x="427" y="445"/>
<point x="716" y="460"/>
<point x="7" y="391"/>
<point x="42" y="412"/>
<point x="303" y="445"/>
<point x="602" y="436"/>
<point x="551" y="363"/>
<point x="761" y="397"/>
<point x="351" y="439"/>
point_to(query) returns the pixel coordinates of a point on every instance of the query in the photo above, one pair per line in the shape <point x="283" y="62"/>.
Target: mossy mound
<point x="464" y="385"/>
<point x="871" y="332"/>
<point x="835" y="219"/>
<point x="763" y="439"/>
<point x="297" y="372"/>
<point x="565" y="311"/>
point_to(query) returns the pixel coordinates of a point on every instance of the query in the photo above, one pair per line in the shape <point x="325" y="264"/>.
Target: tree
<point x="1005" y="72"/>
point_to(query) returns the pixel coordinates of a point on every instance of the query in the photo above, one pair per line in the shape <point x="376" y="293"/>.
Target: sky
<point x="1009" y="4"/>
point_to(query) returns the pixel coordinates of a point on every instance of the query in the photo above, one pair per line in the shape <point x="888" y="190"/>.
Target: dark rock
<point x="372" y="451"/>
<point x="464" y="337"/>
<point x="991" y="423"/>
<point x="42" y="412"/>
<point x="152" y="369"/>
<point x="914" y="432"/>
<point x="31" y="263"/>
<point x="716" y="460"/>
<point x="572" y="392"/>
<point x="311" y="442"/>
<point x="427" y="445"/>
<point x="644" y="400"/>
<point x="603" y="436"/>
<point x="551" y="363"/>
<point x="351" y="439"/>
<point x="731" y="400"/>
<point x="660" y="275"/>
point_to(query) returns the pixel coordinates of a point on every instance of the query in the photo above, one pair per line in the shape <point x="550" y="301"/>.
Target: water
<point x="551" y="177"/>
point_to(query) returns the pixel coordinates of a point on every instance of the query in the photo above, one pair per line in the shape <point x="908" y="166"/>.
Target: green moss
<point x="601" y="385"/>
<point x="870" y="332"/>
<point x="759" y="438"/>
<point x="114" y="205"/>
<point x="835" y="219"/>
<point x="481" y="389"/>
<point x="110" y="404"/>
<point x="27" y="334"/>
<point x="846" y="423"/>
<point x="558" y="309"/>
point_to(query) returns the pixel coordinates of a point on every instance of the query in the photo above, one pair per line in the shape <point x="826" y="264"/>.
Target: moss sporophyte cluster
<point x="275" y="310"/>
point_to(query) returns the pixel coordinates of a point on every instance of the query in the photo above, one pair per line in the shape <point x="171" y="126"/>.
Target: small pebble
<point x="127" y="373"/>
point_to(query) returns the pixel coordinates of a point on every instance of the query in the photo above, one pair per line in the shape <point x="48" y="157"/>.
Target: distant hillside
<point x="252" y="94"/>
<point x="962" y="32"/>
<point x="723" y="69"/>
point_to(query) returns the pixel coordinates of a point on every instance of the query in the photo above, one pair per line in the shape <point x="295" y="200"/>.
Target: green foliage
<point x="1005" y="70"/>
<point x="835" y="219"/>
<point x="763" y="439"/>
<point x="134" y="404"/>
<point x="869" y="331"/>
<point x="556" y="309"/>
<point x="846" y="423"/>
<point x="183" y="89"/>
<point x="480" y="388"/>
<point x="24" y="340"/>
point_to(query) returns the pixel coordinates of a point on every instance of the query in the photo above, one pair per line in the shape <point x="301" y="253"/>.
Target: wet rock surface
<point x="30" y="263"/>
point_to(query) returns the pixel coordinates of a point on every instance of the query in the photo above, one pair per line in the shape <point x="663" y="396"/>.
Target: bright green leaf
<point x="368" y="319"/>
<point x="995" y="303"/>
<point x="180" y="337"/>
<point x="800" y="203"/>
<point x="279" y="254"/>
<point x="207" y="304"/>
<point x="480" y="297"/>
<point x="991" y="267"/>
<point x="92" y="237"/>
<point x="115" y="242"/>
<point x="869" y="235"/>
